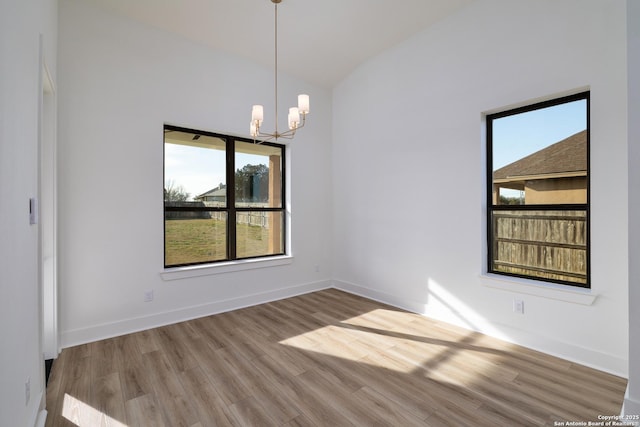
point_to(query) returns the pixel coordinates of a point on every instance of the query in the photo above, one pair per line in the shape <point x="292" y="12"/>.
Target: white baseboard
<point x="108" y="330"/>
<point x="584" y="356"/>
<point x="383" y="297"/>
<point x="42" y="418"/>
<point x="37" y="415"/>
<point x="630" y="408"/>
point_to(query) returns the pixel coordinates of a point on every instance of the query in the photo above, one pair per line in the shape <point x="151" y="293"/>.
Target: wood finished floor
<point x="323" y="359"/>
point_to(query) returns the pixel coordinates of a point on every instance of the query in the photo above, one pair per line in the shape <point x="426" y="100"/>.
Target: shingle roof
<point x="220" y="190"/>
<point x="568" y="155"/>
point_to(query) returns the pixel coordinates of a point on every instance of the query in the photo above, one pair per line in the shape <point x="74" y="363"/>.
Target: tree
<point x="175" y="194"/>
<point x="511" y="200"/>
<point x="252" y="183"/>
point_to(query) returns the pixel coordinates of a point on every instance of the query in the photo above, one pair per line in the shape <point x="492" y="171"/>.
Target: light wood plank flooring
<point x="323" y="359"/>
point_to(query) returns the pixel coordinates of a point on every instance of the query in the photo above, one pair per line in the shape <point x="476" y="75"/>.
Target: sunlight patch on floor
<point x="83" y="415"/>
<point x="398" y="341"/>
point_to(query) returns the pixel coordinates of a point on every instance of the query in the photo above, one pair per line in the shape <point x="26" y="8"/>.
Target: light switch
<point x="33" y="210"/>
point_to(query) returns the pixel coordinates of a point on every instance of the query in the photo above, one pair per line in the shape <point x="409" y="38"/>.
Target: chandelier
<point x="297" y="115"/>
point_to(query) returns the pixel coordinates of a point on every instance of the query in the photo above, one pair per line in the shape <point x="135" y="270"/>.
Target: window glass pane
<point x="259" y="233"/>
<point x="538" y="214"/>
<point x="195" y="237"/>
<point x="194" y="170"/>
<point x="258" y="175"/>
<point x="202" y="225"/>
<point x="540" y="156"/>
<point x="547" y="244"/>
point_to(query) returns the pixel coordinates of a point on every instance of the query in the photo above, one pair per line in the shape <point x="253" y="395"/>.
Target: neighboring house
<point x="218" y="194"/>
<point x="555" y="174"/>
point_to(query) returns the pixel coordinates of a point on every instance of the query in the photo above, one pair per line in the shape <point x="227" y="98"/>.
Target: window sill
<point x="541" y="289"/>
<point x="223" y="267"/>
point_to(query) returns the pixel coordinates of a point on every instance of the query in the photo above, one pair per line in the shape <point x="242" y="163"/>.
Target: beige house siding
<point x="556" y="174"/>
<point x="554" y="191"/>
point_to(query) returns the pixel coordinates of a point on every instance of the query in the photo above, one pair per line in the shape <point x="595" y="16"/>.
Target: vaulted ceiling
<point x="320" y="41"/>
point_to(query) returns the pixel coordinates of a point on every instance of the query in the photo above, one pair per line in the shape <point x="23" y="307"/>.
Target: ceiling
<point x="319" y="41"/>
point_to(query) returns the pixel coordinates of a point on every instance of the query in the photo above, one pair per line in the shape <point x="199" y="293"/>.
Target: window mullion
<point x="231" y="198"/>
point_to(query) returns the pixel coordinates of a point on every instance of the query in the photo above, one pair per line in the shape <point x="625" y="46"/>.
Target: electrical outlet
<point x="518" y="306"/>
<point x="27" y="391"/>
<point x="148" y="295"/>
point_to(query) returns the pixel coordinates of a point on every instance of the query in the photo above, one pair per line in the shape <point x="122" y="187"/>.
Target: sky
<point x="517" y="136"/>
<point x="198" y="170"/>
<point x="514" y="137"/>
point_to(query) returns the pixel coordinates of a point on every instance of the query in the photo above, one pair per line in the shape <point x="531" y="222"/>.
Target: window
<point x="538" y="191"/>
<point x="223" y="198"/>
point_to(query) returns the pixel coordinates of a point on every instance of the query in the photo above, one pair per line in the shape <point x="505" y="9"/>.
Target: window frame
<point x="231" y="209"/>
<point x="491" y="208"/>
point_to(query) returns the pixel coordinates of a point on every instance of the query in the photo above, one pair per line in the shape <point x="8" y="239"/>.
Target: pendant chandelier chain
<point x="276" y="64"/>
<point x="297" y="115"/>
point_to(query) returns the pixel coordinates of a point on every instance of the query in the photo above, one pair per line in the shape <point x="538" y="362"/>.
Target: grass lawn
<point x="202" y="240"/>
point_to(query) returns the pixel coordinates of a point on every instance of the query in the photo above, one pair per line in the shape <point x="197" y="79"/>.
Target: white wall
<point x="632" y="402"/>
<point x="119" y="82"/>
<point x="409" y="168"/>
<point x="404" y="178"/>
<point x="21" y="26"/>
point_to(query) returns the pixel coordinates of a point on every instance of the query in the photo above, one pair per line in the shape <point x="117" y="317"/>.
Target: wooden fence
<point x="194" y="214"/>
<point x="545" y="244"/>
<point x="259" y="219"/>
<point x="256" y="218"/>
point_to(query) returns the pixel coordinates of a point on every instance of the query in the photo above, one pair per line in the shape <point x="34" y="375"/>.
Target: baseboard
<point x="38" y="414"/>
<point x="585" y="356"/>
<point x="108" y="330"/>
<point x="383" y="297"/>
<point x="630" y="408"/>
<point x="581" y="355"/>
<point x="42" y="418"/>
